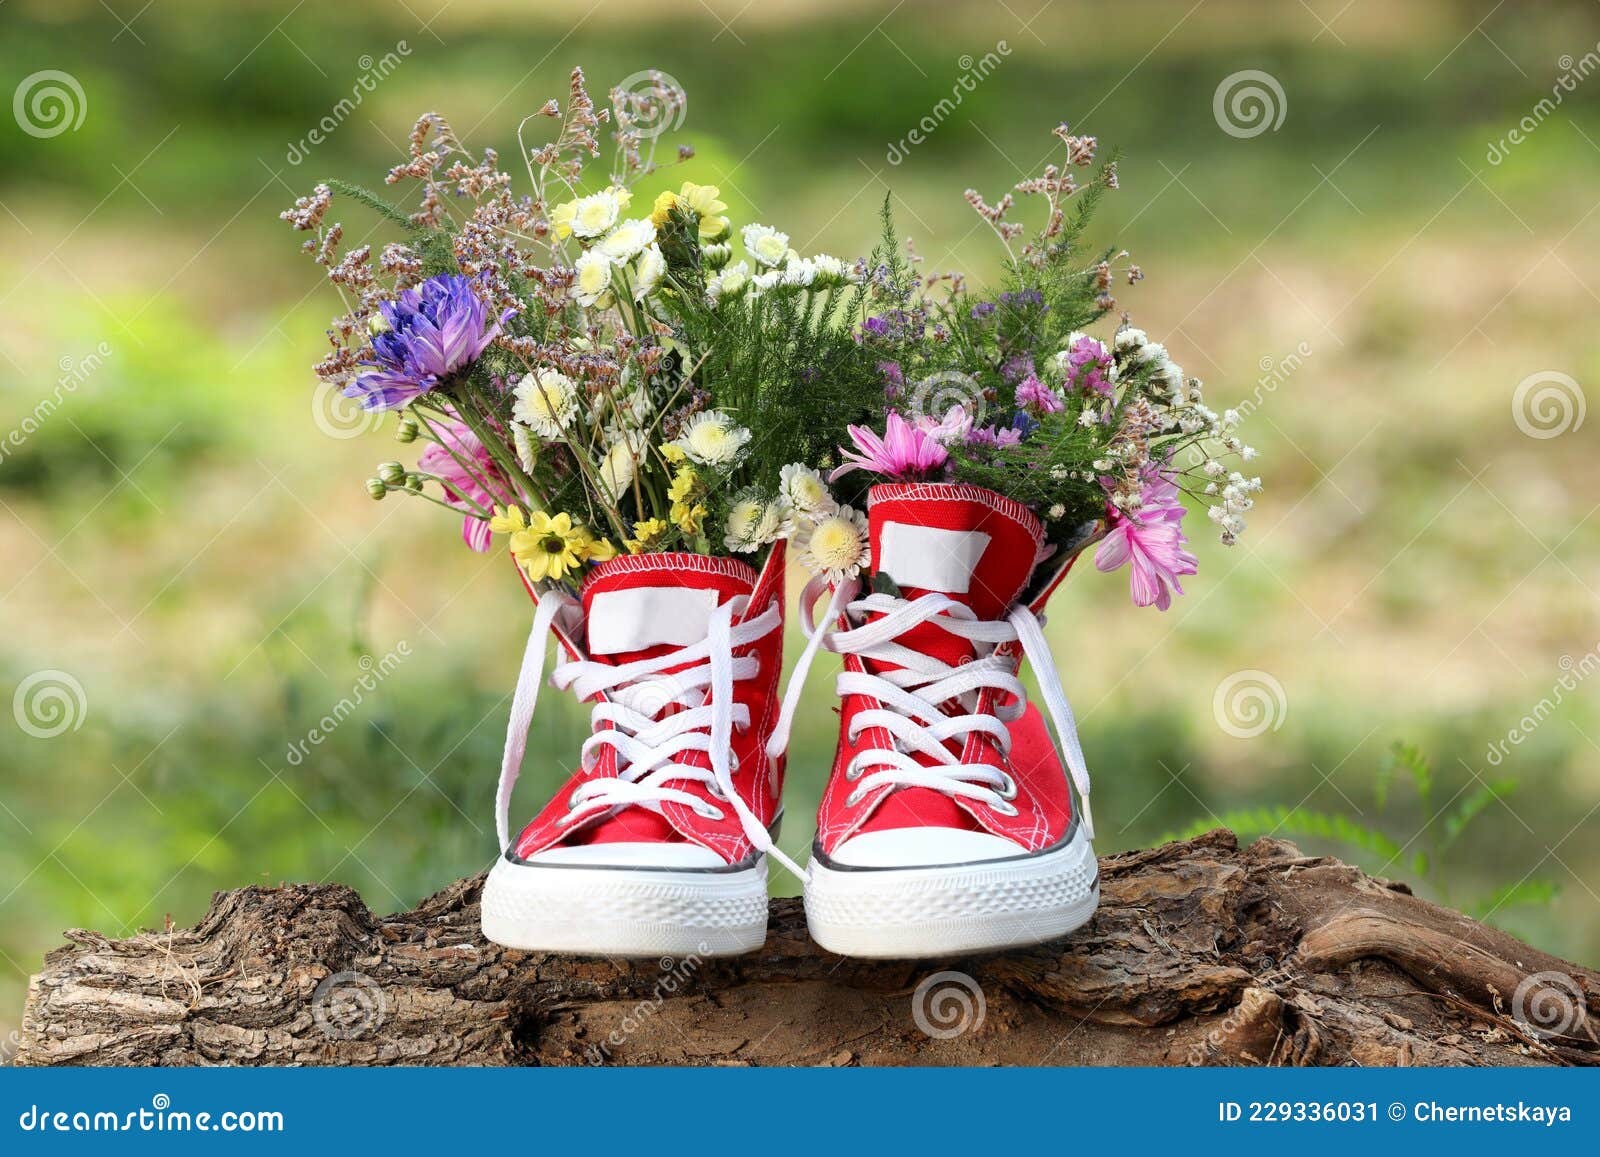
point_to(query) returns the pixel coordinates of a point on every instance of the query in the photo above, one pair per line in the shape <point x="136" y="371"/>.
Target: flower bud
<point x="377" y="324"/>
<point x="414" y="483"/>
<point x="717" y="255"/>
<point x="406" y="429"/>
<point x="391" y="472"/>
<point x="376" y="489"/>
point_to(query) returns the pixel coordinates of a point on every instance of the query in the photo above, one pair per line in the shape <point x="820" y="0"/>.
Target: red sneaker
<point x="659" y="841"/>
<point x="948" y="823"/>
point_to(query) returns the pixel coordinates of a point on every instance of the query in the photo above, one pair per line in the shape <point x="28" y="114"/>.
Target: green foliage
<point x="1440" y="832"/>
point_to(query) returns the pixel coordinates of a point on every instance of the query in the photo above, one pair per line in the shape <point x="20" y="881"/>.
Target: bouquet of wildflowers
<point x="1100" y="435"/>
<point x="589" y="371"/>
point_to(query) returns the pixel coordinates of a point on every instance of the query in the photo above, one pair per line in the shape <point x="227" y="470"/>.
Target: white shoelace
<point x="910" y="696"/>
<point x="647" y="744"/>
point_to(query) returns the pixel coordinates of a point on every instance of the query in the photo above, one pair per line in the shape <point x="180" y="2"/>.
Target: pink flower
<point x="440" y="462"/>
<point x="1088" y="364"/>
<point x="904" y="452"/>
<point x="1034" y="395"/>
<point x="1152" y="542"/>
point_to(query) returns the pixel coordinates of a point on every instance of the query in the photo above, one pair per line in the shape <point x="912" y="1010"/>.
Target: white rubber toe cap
<point x="922" y="847"/>
<point x="630" y="855"/>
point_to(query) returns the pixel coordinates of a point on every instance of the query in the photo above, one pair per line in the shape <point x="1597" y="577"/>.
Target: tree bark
<point x="1201" y="953"/>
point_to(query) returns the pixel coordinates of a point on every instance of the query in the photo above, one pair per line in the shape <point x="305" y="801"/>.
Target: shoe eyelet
<point x="852" y="772"/>
<point x="1008" y="791"/>
<point x="853" y="798"/>
<point x="572" y="799"/>
<point x="1004" y="808"/>
<point x="709" y="812"/>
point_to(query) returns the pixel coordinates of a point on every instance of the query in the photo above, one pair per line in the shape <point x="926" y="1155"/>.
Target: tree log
<point x="1201" y="953"/>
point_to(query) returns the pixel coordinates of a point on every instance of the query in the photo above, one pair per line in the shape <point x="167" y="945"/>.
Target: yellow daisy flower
<point x="685" y="486"/>
<point x="674" y="454"/>
<point x="507" y="520"/>
<point x="702" y="200"/>
<point x="646" y="534"/>
<point x="550" y="546"/>
<point x="596" y="549"/>
<point x="690" y="518"/>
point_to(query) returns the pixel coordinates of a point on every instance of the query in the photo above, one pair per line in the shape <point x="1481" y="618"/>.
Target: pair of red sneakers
<point x="948" y="824"/>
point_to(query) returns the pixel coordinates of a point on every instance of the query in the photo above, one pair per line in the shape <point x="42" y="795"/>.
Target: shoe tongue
<point x="639" y="606"/>
<point x="975" y="545"/>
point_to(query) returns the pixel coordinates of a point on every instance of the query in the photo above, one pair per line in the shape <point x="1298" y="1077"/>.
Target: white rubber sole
<point x="952" y="909"/>
<point x="625" y="911"/>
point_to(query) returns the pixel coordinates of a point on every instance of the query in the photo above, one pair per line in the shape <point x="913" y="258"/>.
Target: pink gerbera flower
<point x="460" y="481"/>
<point x="905" y="452"/>
<point x="1151" y="543"/>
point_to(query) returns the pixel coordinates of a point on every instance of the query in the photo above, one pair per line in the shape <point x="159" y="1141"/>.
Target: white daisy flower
<point x="730" y="281"/>
<point x="593" y="215"/>
<point x="804" y="489"/>
<point x="766" y="245"/>
<point x="754" y="521"/>
<point x="1130" y="336"/>
<point x="829" y="268"/>
<point x="766" y="282"/>
<point x="800" y="273"/>
<point x="712" y="438"/>
<point x="628" y="240"/>
<point x="593" y="279"/>
<point x="836" y="545"/>
<point x="618" y="467"/>
<point x="547" y="400"/>
<point x="647" y="273"/>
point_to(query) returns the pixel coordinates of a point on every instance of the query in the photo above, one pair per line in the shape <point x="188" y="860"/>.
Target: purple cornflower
<point x="435" y="329"/>
<point x="1034" y="396"/>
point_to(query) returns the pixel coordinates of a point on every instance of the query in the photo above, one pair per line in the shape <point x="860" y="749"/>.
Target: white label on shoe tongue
<point x="638" y="617"/>
<point x="930" y="557"/>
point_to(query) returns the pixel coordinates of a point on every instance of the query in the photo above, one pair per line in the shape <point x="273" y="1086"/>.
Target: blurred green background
<point x="181" y="541"/>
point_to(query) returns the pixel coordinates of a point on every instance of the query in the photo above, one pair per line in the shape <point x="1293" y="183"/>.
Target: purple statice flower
<point x="1037" y="398"/>
<point x="894" y="379"/>
<point x="995" y="437"/>
<point x="1087" y="365"/>
<point x="1015" y="369"/>
<point x="982" y="310"/>
<point x="1024" y="299"/>
<point x="435" y="329"/>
